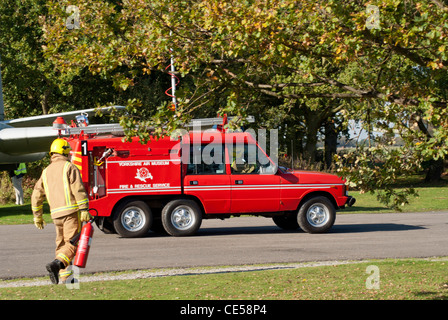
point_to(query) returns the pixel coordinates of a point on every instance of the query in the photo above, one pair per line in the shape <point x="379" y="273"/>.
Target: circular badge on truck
<point x="143" y="174"/>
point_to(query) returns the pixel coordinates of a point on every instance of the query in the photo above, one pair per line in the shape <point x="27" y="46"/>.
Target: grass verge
<point x="15" y="214"/>
<point x="429" y="199"/>
<point x="398" y="279"/>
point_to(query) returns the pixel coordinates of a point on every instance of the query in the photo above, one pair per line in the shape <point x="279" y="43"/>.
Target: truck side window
<point x="249" y="159"/>
<point x="243" y="159"/>
<point x="206" y="159"/>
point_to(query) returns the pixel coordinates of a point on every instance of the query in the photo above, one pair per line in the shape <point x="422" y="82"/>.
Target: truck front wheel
<point x="133" y="219"/>
<point x="316" y="215"/>
<point x="181" y="217"/>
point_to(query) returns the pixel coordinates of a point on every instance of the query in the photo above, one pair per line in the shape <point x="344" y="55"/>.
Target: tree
<point x="285" y="53"/>
<point x="34" y="85"/>
<point x="26" y="83"/>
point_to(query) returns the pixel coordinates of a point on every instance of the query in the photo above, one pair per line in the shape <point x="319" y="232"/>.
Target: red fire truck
<point x="171" y="185"/>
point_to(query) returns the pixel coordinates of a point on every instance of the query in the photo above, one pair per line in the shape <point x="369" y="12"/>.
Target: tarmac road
<point x="24" y="250"/>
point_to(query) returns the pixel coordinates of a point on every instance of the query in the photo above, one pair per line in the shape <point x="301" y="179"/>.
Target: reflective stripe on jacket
<point x="21" y="169"/>
<point x="61" y="183"/>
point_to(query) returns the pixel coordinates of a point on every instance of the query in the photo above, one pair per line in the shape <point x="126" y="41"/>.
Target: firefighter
<point x="61" y="183"/>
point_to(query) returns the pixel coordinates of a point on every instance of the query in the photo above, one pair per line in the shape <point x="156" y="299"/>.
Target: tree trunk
<point x="436" y="167"/>
<point x="435" y="170"/>
<point x="313" y="123"/>
<point x="331" y="142"/>
<point x="44" y="103"/>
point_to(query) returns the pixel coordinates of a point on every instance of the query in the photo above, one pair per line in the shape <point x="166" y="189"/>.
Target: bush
<point x="34" y="170"/>
<point x="6" y="190"/>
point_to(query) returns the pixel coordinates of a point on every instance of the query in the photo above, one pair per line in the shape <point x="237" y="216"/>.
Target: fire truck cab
<point x="172" y="184"/>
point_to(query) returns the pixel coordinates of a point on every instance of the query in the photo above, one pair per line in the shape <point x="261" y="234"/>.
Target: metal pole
<point x="173" y="83"/>
<point x="173" y="78"/>
<point x="2" y="107"/>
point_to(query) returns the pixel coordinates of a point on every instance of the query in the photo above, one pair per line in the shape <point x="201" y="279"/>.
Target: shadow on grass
<point x="12" y="210"/>
<point x="419" y="182"/>
<point x="431" y="295"/>
<point x="357" y="209"/>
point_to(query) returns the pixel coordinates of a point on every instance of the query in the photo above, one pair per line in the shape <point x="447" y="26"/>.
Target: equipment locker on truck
<point x="173" y="184"/>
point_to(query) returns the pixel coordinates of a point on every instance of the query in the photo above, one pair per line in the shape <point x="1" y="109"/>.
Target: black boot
<point x="53" y="270"/>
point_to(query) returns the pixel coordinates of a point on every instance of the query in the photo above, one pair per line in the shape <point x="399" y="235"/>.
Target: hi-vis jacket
<point x="21" y="170"/>
<point x="61" y="183"/>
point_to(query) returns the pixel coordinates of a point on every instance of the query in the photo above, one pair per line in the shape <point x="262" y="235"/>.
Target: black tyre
<point x="105" y="225"/>
<point x="133" y="219"/>
<point x="316" y="215"/>
<point x="286" y="222"/>
<point x="181" y="217"/>
<point x="157" y="226"/>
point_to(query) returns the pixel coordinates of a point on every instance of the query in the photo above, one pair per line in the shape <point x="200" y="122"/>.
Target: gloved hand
<point x="84" y="216"/>
<point x="39" y="222"/>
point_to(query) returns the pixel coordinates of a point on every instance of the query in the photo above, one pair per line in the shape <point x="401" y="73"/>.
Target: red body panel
<point x="296" y="185"/>
<point x="213" y="192"/>
<point x="113" y="170"/>
<point x="255" y="193"/>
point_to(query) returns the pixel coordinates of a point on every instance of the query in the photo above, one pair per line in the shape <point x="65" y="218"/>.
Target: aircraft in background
<point x="29" y="139"/>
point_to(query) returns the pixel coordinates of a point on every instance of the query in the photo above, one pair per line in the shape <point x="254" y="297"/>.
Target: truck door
<point x="254" y="185"/>
<point x="206" y="177"/>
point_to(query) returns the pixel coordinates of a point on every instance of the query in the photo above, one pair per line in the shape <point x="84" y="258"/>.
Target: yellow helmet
<point x="60" y="146"/>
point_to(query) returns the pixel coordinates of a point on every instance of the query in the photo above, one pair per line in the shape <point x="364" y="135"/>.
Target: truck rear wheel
<point x="133" y="219"/>
<point x="181" y="217"/>
<point x="316" y="215"/>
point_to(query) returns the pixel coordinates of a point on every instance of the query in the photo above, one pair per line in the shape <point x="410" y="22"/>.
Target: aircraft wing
<point x="47" y="119"/>
<point x="29" y="139"/>
<point x="19" y="141"/>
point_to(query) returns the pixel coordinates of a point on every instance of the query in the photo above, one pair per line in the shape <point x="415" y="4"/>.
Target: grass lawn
<point x="431" y="197"/>
<point x="402" y="279"/>
<point x="14" y="214"/>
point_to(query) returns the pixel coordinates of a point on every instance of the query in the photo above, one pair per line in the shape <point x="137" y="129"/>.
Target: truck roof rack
<point x="210" y="122"/>
<point x="113" y="128"/>
<point x="117" y="129"/>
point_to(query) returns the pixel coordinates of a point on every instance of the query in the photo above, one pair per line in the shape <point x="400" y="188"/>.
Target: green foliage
<point x="295" y="65"/>
<point x="6" y="189"/>
<point x="377" y="169"/>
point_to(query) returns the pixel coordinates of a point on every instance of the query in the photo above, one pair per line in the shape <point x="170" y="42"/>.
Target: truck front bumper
<point x="350" y="201"/>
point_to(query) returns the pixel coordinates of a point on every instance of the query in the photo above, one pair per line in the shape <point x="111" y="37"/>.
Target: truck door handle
<point x="193" y="183"/>
<point x="238" y="181"/>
